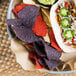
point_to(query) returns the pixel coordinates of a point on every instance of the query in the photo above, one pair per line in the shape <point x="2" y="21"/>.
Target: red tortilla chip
<point x="29" y="45"/>
<point x="36" y="57"/>
<point x="53" y="41"/>
<point x="40" y="27"/>
<point x="52" y="64"/>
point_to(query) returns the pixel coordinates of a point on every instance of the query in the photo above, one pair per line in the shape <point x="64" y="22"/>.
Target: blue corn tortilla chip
<point x="51" y="52"/>
<point x="45" y="49"/>
<point x="52" y="64"/>
<point x="49" y="55"/>
<point x="15" y="22"/>
<point x="39" y="48"/>
<point x="25" y="34"/>
<point x="29" y="14"/>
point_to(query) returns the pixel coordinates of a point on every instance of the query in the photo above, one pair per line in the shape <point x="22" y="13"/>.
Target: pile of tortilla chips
<point x="33" y="27"/>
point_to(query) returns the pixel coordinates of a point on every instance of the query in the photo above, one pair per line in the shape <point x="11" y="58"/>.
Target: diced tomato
<point x="67" y="5"/>
<point x="68" y="43"/>
<point x="57" y="10"/>
<point x="65" y="40"/>
<point x="73" y="41"/>
<point x="70" y="26"/>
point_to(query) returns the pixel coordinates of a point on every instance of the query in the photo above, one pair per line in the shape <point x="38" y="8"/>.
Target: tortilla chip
<point x="52" y="64"/>
<point x="47" y="38"/>
<point x="23" y="33"/>
<point x="53" y="41"/>
<point x="15" y="22"/>
<point x="28" y="2"/>
<point x="29" y="14"/>
<point x="40" y="27"/>
<point x="37" y="59"/>
<point x="45" y="49"/>
<point x="39" y="48"/>
<point x="51" y="52"/>
<point x="46" y="16"/>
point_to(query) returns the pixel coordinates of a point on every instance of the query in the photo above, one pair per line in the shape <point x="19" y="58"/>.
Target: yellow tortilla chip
<point x="46" y="16"/>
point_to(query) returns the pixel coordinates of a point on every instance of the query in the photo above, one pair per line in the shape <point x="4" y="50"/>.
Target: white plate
<point x="56" y="29"/>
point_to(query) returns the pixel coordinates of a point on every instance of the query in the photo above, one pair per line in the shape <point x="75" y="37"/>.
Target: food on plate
<point x="66" y="12"/>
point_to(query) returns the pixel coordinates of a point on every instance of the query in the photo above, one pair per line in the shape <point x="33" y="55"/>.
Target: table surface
<point x="8" y="65"/>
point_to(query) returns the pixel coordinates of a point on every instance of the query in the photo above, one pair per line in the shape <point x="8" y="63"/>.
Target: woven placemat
<point x="8" y="65"/>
